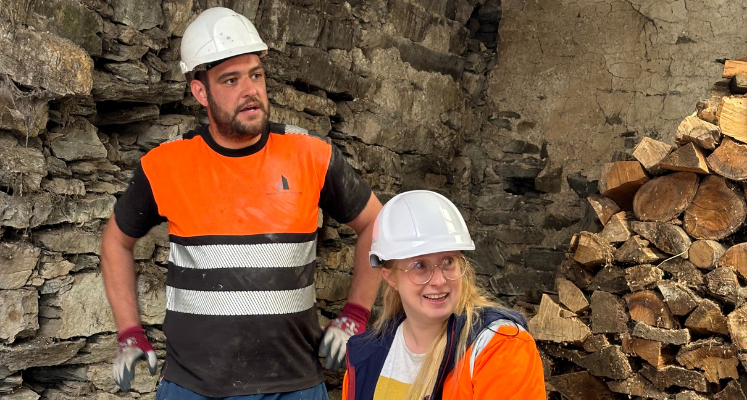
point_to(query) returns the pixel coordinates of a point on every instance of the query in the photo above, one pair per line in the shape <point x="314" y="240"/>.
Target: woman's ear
<point x="389" y="277"/>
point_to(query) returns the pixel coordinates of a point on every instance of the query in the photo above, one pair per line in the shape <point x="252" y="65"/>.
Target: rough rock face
<point x="508" y="108"/>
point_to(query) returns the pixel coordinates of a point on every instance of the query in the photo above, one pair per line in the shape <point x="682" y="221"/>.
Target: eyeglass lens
<point x="420" y="272"/>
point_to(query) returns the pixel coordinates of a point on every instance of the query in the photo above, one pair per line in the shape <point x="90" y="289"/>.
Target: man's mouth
<point x="250" y="107"/>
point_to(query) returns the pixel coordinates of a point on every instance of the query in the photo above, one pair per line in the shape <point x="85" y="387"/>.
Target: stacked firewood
<point x="654" y="305"/>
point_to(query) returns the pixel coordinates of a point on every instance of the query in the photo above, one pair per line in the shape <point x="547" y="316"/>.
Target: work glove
<point x="351" y="321"/>
<point x="133" y="346"/>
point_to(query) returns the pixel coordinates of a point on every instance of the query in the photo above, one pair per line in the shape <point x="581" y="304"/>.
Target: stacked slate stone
<point x="654" y="305"/>
<point x="89" y="86"/>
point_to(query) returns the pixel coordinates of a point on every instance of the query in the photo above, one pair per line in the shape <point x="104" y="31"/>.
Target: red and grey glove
<point x="133" y="346"/>
<point x="351" y="321"/>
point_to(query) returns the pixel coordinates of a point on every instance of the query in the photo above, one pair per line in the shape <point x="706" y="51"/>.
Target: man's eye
<point x="230" y="81"/>
<point x="257" y="76"/>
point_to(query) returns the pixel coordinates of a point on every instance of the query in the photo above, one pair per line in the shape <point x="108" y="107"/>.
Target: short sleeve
<point x="344" y="194"/>
<point x="136" y="210"/>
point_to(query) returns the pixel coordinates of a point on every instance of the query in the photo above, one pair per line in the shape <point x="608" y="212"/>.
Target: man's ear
<point x="199" y="91"/>
<point x="389" y="277"/>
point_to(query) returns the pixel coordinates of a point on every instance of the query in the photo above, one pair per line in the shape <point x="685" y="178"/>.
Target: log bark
<point x="650" y="152"/>
<point x="734" y="67"/>
<point x="732" y="391"/>
<point x="738" y="84"/>
<point x="607" y="313"/>
<point x="581" y="386"/>
<point x="610" y="279"/>
<point x="736" y="258"/>
<point x="640" y="277"/>
<point x="638" y="386"/>
<point x="723" y="284"/>
<point x="604" y="207"/>
<point x="706" y="253"/>
<point x="648" y="307"/>
<point x="673" y="375"/>
<point x="637" y="251"/>
<point x="683" y="271"/>
<point x="732" y="117"/>
<point x="593" y="250"/>
<point x="610" y="362"/>
<point x="576" y="273"/>
<point x="707" y="319"/>
<point x="664" y="198"/>
<point x="717" y="359"/>
<point x="694" y="130"/>
<point x="688" y="158"/>
<point x="595" y="343"/>
<point x="668" y="238"/>
<point x="668" y="336"/>
<point x="730" y="160"/>
<point x="617" y="229"/>
<point x="708" y="110"/>
<point x="621" y="180"/>
<point x="716" y="211"/>
<point x="680" y="299"/>
<point x="737" y="322"/>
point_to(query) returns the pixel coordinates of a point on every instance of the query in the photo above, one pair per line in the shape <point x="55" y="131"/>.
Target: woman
<point x="436" y="337"/>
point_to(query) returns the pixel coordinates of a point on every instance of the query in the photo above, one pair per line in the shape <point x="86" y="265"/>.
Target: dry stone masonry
<point x="89" y="86"/>
<point x="507" y="107"/>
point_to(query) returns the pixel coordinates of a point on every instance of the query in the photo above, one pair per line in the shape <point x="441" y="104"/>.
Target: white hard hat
<point x="416" y="223"/>
<point x="217" y="34"/>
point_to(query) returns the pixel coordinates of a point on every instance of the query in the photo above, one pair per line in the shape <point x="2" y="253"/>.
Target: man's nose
<point x="249" y="88"/>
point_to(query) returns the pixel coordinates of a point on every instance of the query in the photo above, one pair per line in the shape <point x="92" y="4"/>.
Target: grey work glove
<point x="133" y="346"/>
<point x="351" y="321"/>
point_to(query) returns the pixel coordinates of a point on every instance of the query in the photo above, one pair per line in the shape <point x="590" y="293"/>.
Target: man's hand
<point x="351" y="322"/>
<point x="133" y="346"/>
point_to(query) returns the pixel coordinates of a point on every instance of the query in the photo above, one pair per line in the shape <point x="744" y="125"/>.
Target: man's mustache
<point x="250" y="100"/>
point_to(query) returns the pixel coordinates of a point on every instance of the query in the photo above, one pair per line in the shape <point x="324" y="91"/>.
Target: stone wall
<point x="510" y="120"/>
<point x="89" y="86"/>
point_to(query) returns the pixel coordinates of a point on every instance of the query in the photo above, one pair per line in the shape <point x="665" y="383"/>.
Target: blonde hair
<point x="470" y="301"/>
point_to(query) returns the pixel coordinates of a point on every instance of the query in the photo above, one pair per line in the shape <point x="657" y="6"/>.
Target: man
<point x="241" y="198"/>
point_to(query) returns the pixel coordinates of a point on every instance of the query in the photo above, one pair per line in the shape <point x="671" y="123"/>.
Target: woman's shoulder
<point x="489" y="315"/>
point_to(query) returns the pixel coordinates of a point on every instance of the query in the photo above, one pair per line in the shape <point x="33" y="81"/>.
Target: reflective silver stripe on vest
<point x="484" y="338"/>
<point x="268" y="255"/>
<point x="296" y="129"/>
<point x="240" y="303"/>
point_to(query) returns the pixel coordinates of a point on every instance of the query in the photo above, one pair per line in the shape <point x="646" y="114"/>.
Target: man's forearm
<point x="366" y="280"/>
<point x="118" y="270"/>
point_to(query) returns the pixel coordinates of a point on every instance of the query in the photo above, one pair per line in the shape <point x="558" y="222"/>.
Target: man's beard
<point x="230" y="126"/>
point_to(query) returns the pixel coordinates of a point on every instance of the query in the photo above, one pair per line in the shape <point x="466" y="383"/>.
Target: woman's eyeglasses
<point x="421" y="272"/>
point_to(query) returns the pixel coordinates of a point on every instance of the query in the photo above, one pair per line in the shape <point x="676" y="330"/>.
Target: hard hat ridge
<point x="416" y="223"/>
<point x="217" y="34"/>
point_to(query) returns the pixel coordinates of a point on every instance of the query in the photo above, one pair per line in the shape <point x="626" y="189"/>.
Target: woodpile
<point x="653" y="305"/>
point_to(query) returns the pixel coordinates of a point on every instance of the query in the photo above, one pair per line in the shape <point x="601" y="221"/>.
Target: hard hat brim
<point x="377" y="261"/>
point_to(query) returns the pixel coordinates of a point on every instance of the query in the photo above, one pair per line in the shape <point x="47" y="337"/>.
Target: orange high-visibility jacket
<point x="508" y="366"/>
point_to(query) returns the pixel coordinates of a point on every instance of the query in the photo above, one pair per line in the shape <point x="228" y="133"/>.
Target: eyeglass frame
<point x="458" y="258"/>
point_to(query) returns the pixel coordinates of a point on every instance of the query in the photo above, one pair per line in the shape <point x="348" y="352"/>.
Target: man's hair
<point x="200" y="76"/>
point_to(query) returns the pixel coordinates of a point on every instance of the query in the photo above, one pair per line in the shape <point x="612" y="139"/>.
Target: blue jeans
<point x="171" y="391"/>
